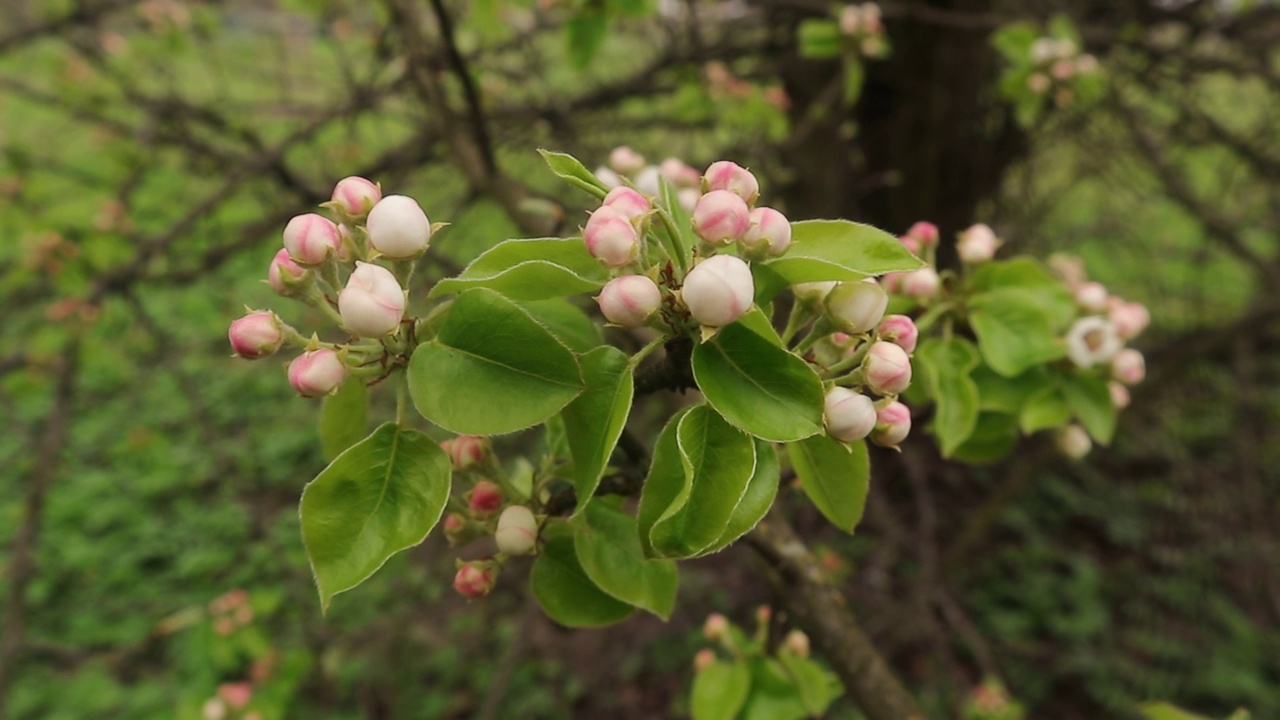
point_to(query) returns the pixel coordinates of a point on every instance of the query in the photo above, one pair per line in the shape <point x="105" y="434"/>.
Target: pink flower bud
<point x="355" y="195"/>
<point x="236" y="694"/>
<point x="1129" y="319"/>
<point x="769" y="232"/>
<point x="893" y="424"/>
<point x="977" y="244"/>
<point x="680" y="175"/>
<point x="1072" y="441"/>
<point x="899" y="330"/>
<point x="316" y="373"/>
<point x="856" y="307"/>
<point x="1119" y="395"/>
<point x="925" y="232"/>
<point x="215" y="708"/>
<point x="1063" y="70"/>
<point x="892" y="282"/>
<point x="627" y="201"/>
<point x="921" y="284"/>
<point x="715" y="628"/>
<point x="610" y="237"/>
<point x="813" y="292"/>
<point x="485" y="498"/>
<point x="1038" y="83"/>
<point x="256" y="335"/>
<point x="763" y="614"/>
<point x="1129" y="367"/>
<point x="725" y="175"/>
<point x="887" y="369"/>
<point x="719" y="290"/>
<point x="721" y="217"/>
<point x="311" y="239"/>
<point x="372" y="303"/>
<point x="626" y="161"/>
<point x="703" y="659"/>
<point x="848" y="415"/>
<point x="465" y="451"/>
<point x="797" y="643"/>
<point x="284" y="272"/>
<point x="1086" y="64"/>
<point x="517" y="530"/>
<point x="910" y="243"/>
<point x="474" y="580"/>
<point x="454" y="528"/>
<point x="398" y="228"/>
<point x="609" y="178"/>
<point x="630" y="300"/>
<point x="1092" y="297"/>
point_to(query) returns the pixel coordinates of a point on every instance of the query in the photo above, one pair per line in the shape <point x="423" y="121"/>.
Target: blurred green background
<point x="151" y="152"/>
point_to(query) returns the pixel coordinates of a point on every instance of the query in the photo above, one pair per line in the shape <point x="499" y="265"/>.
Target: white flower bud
<point x="517" y="530"/>
<point x="977" y="245"/>
<point x="688" y="198"/>
<point x="813" y="292"/>
<point x="920" y="284"/>
<point x="1129" y="367"/>
<point x="886" y="368"/>
<point x="630" y="300"/>
<point x="311" y="239"/>
<point x="848" y="415"/>
<point x="769" y="232"/>
<point x="609" y="178"/>
<point x="856" y="307"/>
<point x="797" y="643"/>
<point x="1073" y="441"/>
<point x="1092" y="297"/>
<point x="610" y="237"/>
<point x="372" y="303"/>
<point x="398" y="228"/>
<point x="721" y="217"/>
<point x="1119" y="395"/>
<point x="719" y="290"/>
<point x="625" y="161"/>
<point x="648" y="180"/>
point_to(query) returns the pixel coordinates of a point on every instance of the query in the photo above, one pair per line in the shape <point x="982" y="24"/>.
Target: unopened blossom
<point x="893" y="424"/>
<point x="649" y="180"/>
<point x="797" y="643"/>
<point x="610" y="237"/>
<point x="485" y="498"/>
<point x="730" y="176"/>
<point x="607" y="177"/>
<point x="630" y="300"/>
<point x="1072" y="441"/>
<point x="886" y="368"/>
<point x="372" y="304"/>
<point x="474" y="580"/>
<point x="813" y="292"/>
<point x="317" y="372"/>
<point x="718" y="290"/>
<point x="284" y="273"/>
<point x="715" y="628"/>
<point x="856" y="307"/>
<point x="1092" y="297"/>
<point x="629" y="202"/>
<point x="256" y="335"/>
<point x="1129" y="367"/>
<point x="977" y="244"/>
<point x="1119" y="394"/>
<point x="464" y="451"/>
<point x="626" y="161"/>
<point x="398" y="228"/>
<point x="356" y="195"/>
<point x="1129" y="318"/>
<point x="721" y="217"/>
<point x="920" y="284"/>
<point x="924" y="232"/>
<point x="311" y="239"/>
<point x="848" y="415"/>
<point x="1092" y="340"/>
<point x="703" y="659"/>
<point x="517" y="532"/>
<point x="899" y="330"/>
<point x="769" y="232"/>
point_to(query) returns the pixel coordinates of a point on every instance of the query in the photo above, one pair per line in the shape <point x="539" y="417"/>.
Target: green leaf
<point x="994" y="436"/>
<point x="768" y="283"/>
<point x="720" y="690"/>
<point x="684" y="241"/>
<point x="757" y="386"/>
<point x="1045" y="409"/>
<point x="1001" y="394"/>
<point x="854" y="76"/>
<point x="595" y="419"/>
<point x="563" y="589"/>
<point x="719" y="461"/>
<point x="531" y="269"/>
<point x="816" y="687"/>
<point x="773" y="695"/>
<point x="567" y="322"/>
<point x="666" y="485"/>
<point x="608" y="547"/>
<point x="756" y="501"/>
<point x="1043" y="290"/>
<point x="568" y="168"/>
<point x="586" y="31"/>
<point x="835" y="477"/>
<point x="1014" y="40"/>
<point x="946" y="365"/>
<point x="757" y="322"/>
<point x="344" y="416"/>
<point x="818" y="39"/>
<point x="382" y="495"/>
<point x="840" y="250"/>
<point x="492" y="369"/>
<point x="1013" y="333"/>
<point x="1165" y="711"/>
<point x="1090" y="400"/>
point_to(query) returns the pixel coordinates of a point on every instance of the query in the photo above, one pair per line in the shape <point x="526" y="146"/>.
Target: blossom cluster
<point x="1056" y="62"/>
<point x="862" y="26"/>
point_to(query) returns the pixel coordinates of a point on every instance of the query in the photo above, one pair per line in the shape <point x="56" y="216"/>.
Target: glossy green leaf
<point x="1045" y="409"/>
<point x="608" y="547"/>
<point x="1165" y="711"/>
<point x="994" y="436"/>
<point x="998" y="393"/>
<point x="344" y="418"/>
<point x="492" y="369"/>
<point x="816" y="687"/>
<point x="1042" y="289"/>
<point x="756" y="501"/>
<point x="759" y="323"/>
<point x="667" y="483"/>
<point x="382" y="495"/>
<point x="531" y="269"/>
<point x="774" y="695"/>
<point x="835" y="477"/>
<point x="720" y="690"/>
<point x="563" y="589"/>
<point x="1090" y="401"/>
<point x="595" y="419"/>
<point x="1013" y="333"/>
<point x="840" y="250"/>
<point x="818" y="39"/>
<point x="567" y="322"/>
<point x="569" y="168"/>
<point x="719" y="462"/>
<point x="757" y="386"/>
<point x="768" y="283"/>
<point x="946" y="365"/>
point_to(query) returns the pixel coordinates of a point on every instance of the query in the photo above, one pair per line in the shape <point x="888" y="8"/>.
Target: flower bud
<point x="256" y="335"/>
<point x="769" y="232"/>
<point x="356" y="195"/>
<point x="856" y="307"/>
<point x="688" y="198"/>
<point x="318" y="372"/>
<point x="715" y="628"/>
<point x="517" y="530"/>
<point x="848" y="415"/>
<point x="910" y="243"/>
<point x="610" y="237"/>
<point x="703" y="659"/>
<point x="893" y="424"/>
<point x="649" y="181"/>
<point x="1119" y="395"/>
<point x="1043" y="50"/>
<point x="797" y="643"/>
<point x="899" y="330"/>
<point x="311" y="239"/>
<point x="850" y="17"/>
<point x="372" y="303"/>
<point x="1129" y="319"/>
<point x="1038" y="83"/>
<point x="1092" y="340"/>
<point x="398" y="228"/>
<point x="887" y="369"/>
<point x="764" y="613"/>
<point x="1129" y="367"/>
<point x="609" y="178"/>
<point x="630" y="300"/>
<point x="474" y="580"/>
<point x="455" y="527"/>
<point x="1072" y="441"/>
<point x="1086" y="64"/>
<point x="1062" y="70"/>
<point x="1092" y="297"/>
<point x="721" y="217"/>
<point x="977" y="244"/>
<point x="678" y="174"/>
<point x="629" y="202"/>
<point x="725" y="175"/>
<point x="921" y="284"/>
<point x="626" y="161"/>
<point x="465" y="451"/>
<point x="1068" y="267"/>
<point x="719" y="290"/>
<point x="925" y="232"/>
<point x="485" y="498"/>
<point x="284" y="272"/>
<point x="813" y="292"/>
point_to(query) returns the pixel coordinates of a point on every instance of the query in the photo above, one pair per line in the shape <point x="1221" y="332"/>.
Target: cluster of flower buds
<point x="862" y="25"/>
<point x="230" y="611"/>
<point x="627" y="167"/>
<point x="1056" y="62"/>
<point x="732" y="641"/>
<point x="991" y="701"/>
<point x="1106" y="323"/>
<point x="353" y="267"/>
<point x="922" y="285"/>
<point x="231" y="701"/>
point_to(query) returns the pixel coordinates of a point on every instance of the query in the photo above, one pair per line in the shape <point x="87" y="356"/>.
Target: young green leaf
<point x="946" y="366"/>
<point x="566" y="321"/>
<point x="568" y="168"/>
<point x="531" y="269"/>
<point x="608" y="547"/>
<point x="840" y="250"/>
<point x="835" y="478"/>
<point x="594" y="420"/>
<point x="1090" y="401"/>
<point x="719" y="690"/>
<point x="343" y="418"/>
<point x="994" y="436"/>
<point x="773" y="695"/>
<point x="756" y="501"/>
<point x="1014" y="334"/>
<point x="1046" y="408"/>
<point x="563" y="589"/>
<point x="382" y="495"/>
<point x="667" y="484"/>
<point x="816" y="687"/>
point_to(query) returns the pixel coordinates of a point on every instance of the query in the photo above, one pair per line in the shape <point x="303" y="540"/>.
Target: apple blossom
<point x="372" y="303"/>
<point x="1092" y="296"/>
<point x="398" y="228"/>
<point x="977" y="244"/>
<point x="899" y="330"/>
<point x="649" y="180"/>
<point x="627" y="201"/>
<point x="797" y="643"/>
<point x="284" y="273"/>
<point x="625" y="161"/>
<point x="1119" y="395"/>
<point x="1072" y="441"/>
<point x="607" y="177"/>
<point x="630" y="300"/>
<point x="311" y="239"/>
<point x="1129" y="318"/>
<point x="1092" y="340"/>
<point x="464" y="451"/>
<point x="703" y="659"/>
<point x="355" y="195"/>
<point x="893" y="424"/>
<point x="317" y="372"/>
<point x="848" y="415"/>
<point x="925" y="232"/>
<point x="886" y="368"/>
<point x="677" y="173"/>
<point x="856" y="307"/>
<point x="921" y="284"/>
<point x="769" y="232"/>
<point x="485" y="498"/>
<point x="474" y="580"/>
<point x="721" y="217"/>
<point x="610" y="237"/>
<point x="1129" y="367"/>
<point x="719" y="290"/>
<point x="715" y="628"/>
<point x="517" y="530"/>
<point x="256" y="335"/>
<point x="730" y="176"/>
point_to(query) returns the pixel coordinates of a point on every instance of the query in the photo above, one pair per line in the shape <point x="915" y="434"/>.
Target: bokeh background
<point x="152" y="150"/>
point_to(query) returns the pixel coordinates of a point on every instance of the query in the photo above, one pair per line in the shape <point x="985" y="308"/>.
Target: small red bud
<point x="485" y="498"/>
<point x="474" y="580"/>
